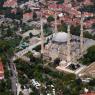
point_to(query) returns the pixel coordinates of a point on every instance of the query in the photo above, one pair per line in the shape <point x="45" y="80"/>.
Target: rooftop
<point x="92" y="93"/>
<point x="1" y="70"/>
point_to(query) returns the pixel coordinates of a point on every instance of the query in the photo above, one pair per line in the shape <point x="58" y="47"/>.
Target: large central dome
<point x="60" y="37"/>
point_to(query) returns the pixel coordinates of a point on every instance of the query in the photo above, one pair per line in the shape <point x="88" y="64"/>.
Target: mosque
<point x="69" y="48"/>
<point x="65" y="46"/>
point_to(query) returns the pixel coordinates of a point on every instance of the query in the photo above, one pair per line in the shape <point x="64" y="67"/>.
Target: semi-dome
<point x="60" y="37"/>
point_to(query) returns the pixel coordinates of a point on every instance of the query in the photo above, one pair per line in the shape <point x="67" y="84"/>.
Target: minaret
<point x="42" y="36"/>
<point x="55" y="22"/>
<point x="81" y="35"/>
<point x="68" y="44"/>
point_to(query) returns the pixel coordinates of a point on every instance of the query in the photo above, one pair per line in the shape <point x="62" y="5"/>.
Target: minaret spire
<point x="81" y="35"/>
<point x="55" y="21"/>
<point x="42" y="35"/>
<point x="68" y="44"/>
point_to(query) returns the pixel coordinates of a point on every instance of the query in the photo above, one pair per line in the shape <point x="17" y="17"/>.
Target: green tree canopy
<point x="60" y="1"/>
<point x="89" y="57"/>
<point x="50" y="18"/>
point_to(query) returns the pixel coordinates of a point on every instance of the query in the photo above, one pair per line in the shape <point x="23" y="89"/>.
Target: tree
<point x="57" y="61"/>
<point x="62" y="27"/>
<point x="89" y="57"/>
<point x="20" y="93"/>
<point x="31" y="93"/>
<point x="4" y="45"/>
<point x="93" y="25"/>
<point x="92" y="82"/>
<point x="32" y="58"/>
<point x="2" y="86"/>
<point x="75" y="30"/>
<point x="30" y="35"/>
<point x="79" y="0"/>
<point x="91" y="53"/>
<point x="47" y="29"/>
<point x="9" y="32"/>
<point x="50" y="18"/>
<point x="1" y="2"/>
<point x="22" y="87"/>
<point x="87" y="35"/>
<point x="78" y="81"/>
<point x="60" y="2"/>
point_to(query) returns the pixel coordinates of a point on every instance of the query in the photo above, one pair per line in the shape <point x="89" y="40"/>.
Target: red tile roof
<point x="73" y="13"/>
<point x="14" y="11"/>
<point x="89" y="23"/>
<point x="92" y="93"/>
<point x="87" y="2"/>
<point x="10" y="3"/>
<point x="27" y="16"/>
<point x="87" y="14"/>
<point x="1" y="70"/>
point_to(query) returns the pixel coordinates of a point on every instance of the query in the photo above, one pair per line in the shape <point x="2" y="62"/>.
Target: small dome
<point x="63" y="63"/>
<point x="60" y="37"/>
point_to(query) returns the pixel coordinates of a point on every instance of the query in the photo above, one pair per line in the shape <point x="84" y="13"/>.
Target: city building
<point x="1" y="70"/>
<point x="69" y="48"/>
<point x="10" y="3"/>
<point x="89" y="93"/>
<point x="27" y="16"/>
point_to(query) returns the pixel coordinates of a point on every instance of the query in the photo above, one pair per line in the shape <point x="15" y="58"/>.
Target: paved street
<point x="13" y="76"/>
<point x="13" y="83"/>
<point x="14" y="79"/>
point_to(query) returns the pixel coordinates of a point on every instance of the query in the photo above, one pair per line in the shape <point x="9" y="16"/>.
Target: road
<point x="13" y="74"/>
<point x="14" y="78"/>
